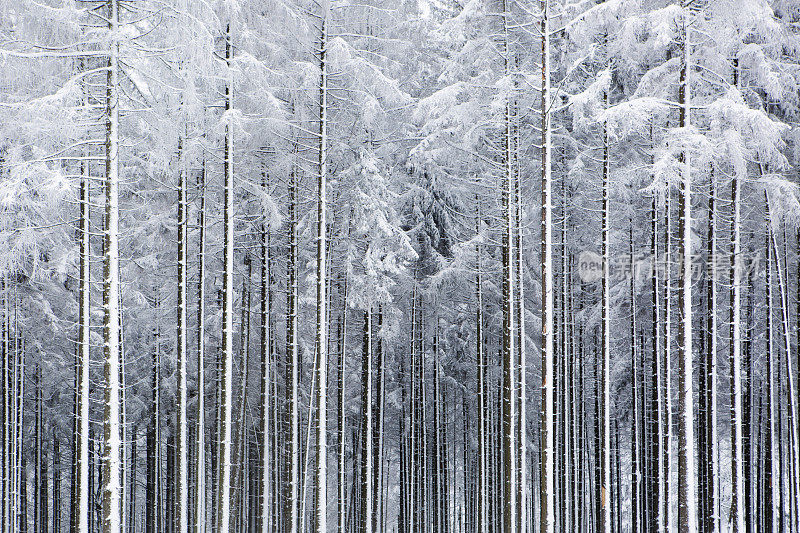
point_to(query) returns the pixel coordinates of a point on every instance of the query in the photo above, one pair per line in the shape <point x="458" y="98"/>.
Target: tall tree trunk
<point x="56" y="483"/>
<point x="751" y="514"/>
<point x="659" y="363"/>
<point x="225" y="433"/>
<point x="597" y="470"/>
<point x="39" y="525"/>
<point x="112" y="460"/>
<point x="182" y="437"/>
<point x="617" y="480"/>
<point x="6" y="424"/>
<point x="737" y="457"/>
<point x="240" y="457"/>
<point x="134" y="480"/>
<point x="5" y="427"/>
<point x="200" y="467"/>
<point x="378" y="425"/>
<point x="81" y="510"/>
<point x="636" y="459"/>
<point x="547" y="521"/>
<point x="566" y="363"/>
<point x="482" y="480"/>
<point x="712" y="518"/>
<point x="321" y="478"/>
<point x="519" y="308"/>
<point x="342" y="440"/>
<point x="666" y="363"/>
<point x="292" y="371"/>
<point x="438" y="467"/>
<point x="266" y="373"/>
<point x="772" y="489"/>
<point x="605" y="489"/>
<point x="508" y="294"/>
<point x="366" y="427"/>
<point x="687" y="501"/>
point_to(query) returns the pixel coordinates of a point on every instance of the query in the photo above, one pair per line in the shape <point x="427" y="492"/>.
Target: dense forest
<point x="399" y="266"/>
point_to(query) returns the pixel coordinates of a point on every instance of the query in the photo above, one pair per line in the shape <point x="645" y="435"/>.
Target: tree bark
<point x="225" y="433"/>
<point x="112" y="460"/>
<point x="182" y="440"/>
<point x="366" y="426"/>
<point x="547" y="521"/>
<point x="321" y="478"/>
<point x="687" y="501"/>
<point x="200" y="467"/>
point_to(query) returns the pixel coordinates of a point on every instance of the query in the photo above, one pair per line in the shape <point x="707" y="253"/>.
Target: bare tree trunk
<point x="510" y="473"/>
<point x="182" y="440"/>
<point x="112" y="446"/>
<point x="266" y="374"/>
<point x="519" y="308"/>
<point x="666" y="363"/>
<point x="687" y="501"/>
<point x="366" y="427"/>
<point x="342" y="457"/>
<point x="605" y="519"/>
<point x="292" y="371"/>
<point x="482" y="482"/>
<point x="737" y="457"/>
<point x="239" y="461"/>
<point x="6" y="424"/>
<point x="321" y="478"/>
<point x="547" y="521"/>
<point x="39" y="479"/>
<point x="772" y="488"/>
<point x="378" y="425"/>
<point x="225" y="433"/>
<point x="712" y="518"/>
<point x="81" y="509"/>
<point x="200" y="467"/>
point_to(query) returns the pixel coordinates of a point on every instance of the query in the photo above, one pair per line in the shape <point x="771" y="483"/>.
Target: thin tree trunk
<point x="605" y="519"/>
<point x="438" y="468"/>
<point x="366" y="426"/>
<point x="771" y="503"/>
<point x="292" y="368"/>
<point x="547" y="520"/>
<point x="510" y="473"/>
<point x="751" y="515"/>
<point x="735" y="364"/>
<point x="225" y="433"/>
<point x="657" y="357"/>
<point x="56" y="483"/>
<point x="266" y="374"/>
<point x="112" y="460"/>
<point x="687" y="501"/>
<point x="321" y="478"/>
<point x="519" y="308"/>
<point x="636" y="459"/>
<point x="244" y="349"/>
<point x="6" y="425"/>
<point x="666" y="363"/>
<point x="483" y="501"/>
<point x="39" y="525"/>
<point x="182" y="440"/>
<point x="81" y="510"/>
<point x="712" y="517"/>
<point x="342" y="457"/>
<point x="378" y="425"/>
<point x="200" y="467"/>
